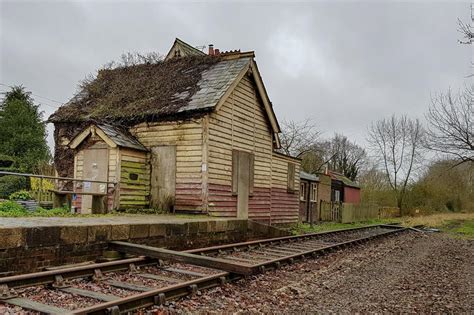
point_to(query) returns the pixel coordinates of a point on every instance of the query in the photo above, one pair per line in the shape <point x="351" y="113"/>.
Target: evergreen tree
<point x="22" y="130"/>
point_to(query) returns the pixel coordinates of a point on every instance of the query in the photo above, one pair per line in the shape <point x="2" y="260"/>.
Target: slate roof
<point x="214" y="83"/>
<point x="153" y="92"/>
<point x="121" y="138"/>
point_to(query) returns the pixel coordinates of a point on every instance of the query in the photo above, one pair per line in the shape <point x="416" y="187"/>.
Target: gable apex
<point x="182" y="49"/>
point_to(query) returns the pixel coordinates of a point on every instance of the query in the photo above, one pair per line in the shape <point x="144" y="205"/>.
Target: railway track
<point x="159" y="275"/>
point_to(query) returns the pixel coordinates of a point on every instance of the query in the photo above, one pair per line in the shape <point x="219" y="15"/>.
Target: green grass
<point x="459" y="228"/>
<point x="455" y="224"/>
<point x="304" y="228"/>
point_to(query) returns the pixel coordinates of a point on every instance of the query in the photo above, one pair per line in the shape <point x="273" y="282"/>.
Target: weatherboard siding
<point x="187" y="136"/>
<point x="285" y="204"/>
<point x="240" y="124"/>
<point x="133" y="193"/>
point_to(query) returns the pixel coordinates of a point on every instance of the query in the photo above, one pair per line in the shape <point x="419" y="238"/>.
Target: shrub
<point x="12" y="209"/>
<point x="55" y="212"/>
<point x="20" y="195"/>
<point x="6" y="162"/>
<point x="9" y="184"/>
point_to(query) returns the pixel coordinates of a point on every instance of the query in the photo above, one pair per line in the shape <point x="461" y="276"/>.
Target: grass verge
<point x="455" y="224"/>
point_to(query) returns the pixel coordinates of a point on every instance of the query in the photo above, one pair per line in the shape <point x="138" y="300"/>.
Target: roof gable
<point x="110" y="134"/>
<point x="251" y="68"/>
<point x="182" y="49"/>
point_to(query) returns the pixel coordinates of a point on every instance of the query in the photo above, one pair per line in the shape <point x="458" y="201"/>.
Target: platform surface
<point x="105" y="220"/>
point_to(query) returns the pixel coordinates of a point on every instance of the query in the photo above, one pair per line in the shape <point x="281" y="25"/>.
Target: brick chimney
<point x="216" y="52"/>
<point x="211" y="50"/>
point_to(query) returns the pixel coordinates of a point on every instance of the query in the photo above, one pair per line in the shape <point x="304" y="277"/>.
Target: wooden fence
<point x="348" y="212"/>
<point x="330" y="211"/>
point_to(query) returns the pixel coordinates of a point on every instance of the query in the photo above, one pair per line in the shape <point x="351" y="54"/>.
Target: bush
<point x="6" y="162"/>
<point x="12" y="209"/>
<point x="10" y="184"/>
<point x="21" y="195"/>
<point x="55" y="212"/>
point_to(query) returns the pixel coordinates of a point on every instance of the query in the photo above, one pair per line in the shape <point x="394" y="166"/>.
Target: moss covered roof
<point x="150" y="92"/>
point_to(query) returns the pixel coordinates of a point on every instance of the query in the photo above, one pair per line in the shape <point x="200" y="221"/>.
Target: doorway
<point x="163" y="177"/>
<point x="95" y="167"/>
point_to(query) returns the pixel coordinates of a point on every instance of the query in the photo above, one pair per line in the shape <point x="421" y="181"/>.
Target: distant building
<point x="314" y="189"/>
<point x="328" y="188"/>
<point x="343" y="189"/>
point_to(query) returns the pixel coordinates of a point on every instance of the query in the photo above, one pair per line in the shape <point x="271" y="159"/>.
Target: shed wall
<point x="187" y="136"/>
<point x="351" y="195"/>
<point x="240" y="124"/>
<point x="284" y="203"/>
<point x="133" y="193"/>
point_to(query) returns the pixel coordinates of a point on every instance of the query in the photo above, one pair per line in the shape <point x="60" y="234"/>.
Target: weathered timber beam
<point x="204" y="261"/>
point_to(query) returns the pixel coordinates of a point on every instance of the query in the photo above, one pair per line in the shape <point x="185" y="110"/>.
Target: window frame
<point x="303" y="186"/>
<point x="313" y="192"/>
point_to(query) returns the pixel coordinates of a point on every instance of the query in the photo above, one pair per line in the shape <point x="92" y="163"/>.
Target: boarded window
<point x="247" y="159"/>
<point x="235" y="172"/>
<point x="291" y="177"/>
<point x="251" y="174"/>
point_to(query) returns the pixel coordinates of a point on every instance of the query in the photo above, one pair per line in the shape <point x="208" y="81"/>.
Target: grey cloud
<point x="342" y="63"/>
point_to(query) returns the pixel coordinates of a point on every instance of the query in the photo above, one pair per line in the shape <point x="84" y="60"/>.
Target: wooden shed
<point x="105" y="153"/>
<point x="343" y="189"/>
<point x="205" y="134"/>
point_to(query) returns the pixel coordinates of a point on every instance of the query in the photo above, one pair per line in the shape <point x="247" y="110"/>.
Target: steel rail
<point x="161" y="295"/>
<point x="212" y="249"/>
<point x="157" y="296"/>
<point x="49" y="277"/>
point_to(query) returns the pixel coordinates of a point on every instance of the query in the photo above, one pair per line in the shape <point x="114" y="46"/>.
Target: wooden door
<point x="243" y="170"/>
<point x="95" y="168"/>
<point x="163" y="177"/>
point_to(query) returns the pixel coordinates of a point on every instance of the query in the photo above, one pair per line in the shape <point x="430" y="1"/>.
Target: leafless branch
<point x="450" y="130"/>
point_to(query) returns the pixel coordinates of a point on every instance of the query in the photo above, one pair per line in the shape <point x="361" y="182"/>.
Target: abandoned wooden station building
<point x="196" y="132"/>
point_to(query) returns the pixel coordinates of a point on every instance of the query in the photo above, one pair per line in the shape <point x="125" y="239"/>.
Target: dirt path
<point x="408" y="273"/>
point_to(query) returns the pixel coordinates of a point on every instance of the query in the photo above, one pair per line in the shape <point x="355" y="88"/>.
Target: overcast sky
<point x="343" y="64"/>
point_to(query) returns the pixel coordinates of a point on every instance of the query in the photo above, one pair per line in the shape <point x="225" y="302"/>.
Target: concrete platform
<point x="31" y="244"/>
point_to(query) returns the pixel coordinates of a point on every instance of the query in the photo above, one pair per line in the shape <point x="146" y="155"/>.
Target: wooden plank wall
<point x="134" y="193"/>
<point x="188" y="138"/>
<point x="285" y="204"/>
<point x="240" y="124"/>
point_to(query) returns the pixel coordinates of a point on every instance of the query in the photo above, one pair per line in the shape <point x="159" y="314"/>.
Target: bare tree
<point x="450" y="128"/>
<point x="465" y="30"/>
<point x="344" y="156"/>
<point x="398" y="144"/>
<point x="298" y="138"/>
